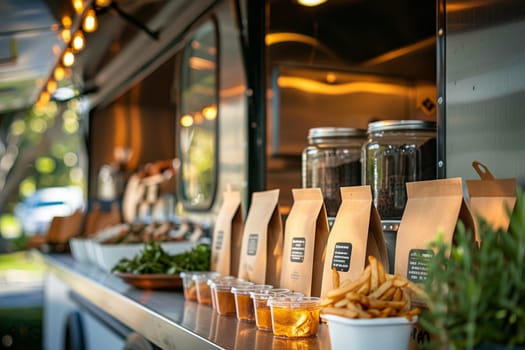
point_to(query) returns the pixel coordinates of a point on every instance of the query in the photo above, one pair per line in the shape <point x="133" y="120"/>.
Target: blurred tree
<point x="51" y="131"/>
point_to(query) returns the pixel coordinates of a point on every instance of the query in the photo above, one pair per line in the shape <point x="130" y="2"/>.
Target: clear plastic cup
<point x="213" y="292"/>
<point x="295" y="317"/>
<point x="188" y="285"/>
<point x="243" y="302"/>
<point x="224" y="298"/>
<point x="203" y="288"/>
<point x="263" y="318"/>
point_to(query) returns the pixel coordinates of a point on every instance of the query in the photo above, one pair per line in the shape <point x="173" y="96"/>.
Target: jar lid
<point x="389" y="125"/>
<point x="315" y="133"/>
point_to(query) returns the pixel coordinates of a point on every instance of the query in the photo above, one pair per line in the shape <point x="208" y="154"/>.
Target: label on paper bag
<point x="252" y="244"/>
<point x="418" y="262"/>
<point x="341" y="257"/>
<point x="219" y="239"/>
<point x="298" y="249"/>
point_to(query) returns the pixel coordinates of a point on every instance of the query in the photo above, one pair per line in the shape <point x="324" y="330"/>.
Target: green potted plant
<point x="476" y="297"/>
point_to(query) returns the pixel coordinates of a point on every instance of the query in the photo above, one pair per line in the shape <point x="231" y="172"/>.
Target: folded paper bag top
<point x="227" y="235"/>
<point x="262" y="240"/>
<point x="491" y="198"/>
<point x="357" y="233"/>
<point x="305" y="236"/>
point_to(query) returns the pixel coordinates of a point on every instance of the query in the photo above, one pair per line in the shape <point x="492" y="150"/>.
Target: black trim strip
<point x="256" y="76"/>
<point x="441" y="88"/>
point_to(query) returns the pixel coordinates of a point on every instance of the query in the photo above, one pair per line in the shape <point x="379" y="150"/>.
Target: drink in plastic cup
<point x="219" y="280"/>
<point x="202" y="287"/>
<point x="295" y="317"/>
<point x="224" y="298"/>
<point x="188" y="286"/>
<point x="263" y="317"/>
<point x="243" y="302"/>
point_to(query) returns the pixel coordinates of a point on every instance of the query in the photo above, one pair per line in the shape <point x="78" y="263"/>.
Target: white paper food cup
<point x="391" y="333"/>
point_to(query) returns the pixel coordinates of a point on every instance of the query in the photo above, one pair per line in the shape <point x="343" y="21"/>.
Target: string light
<point x="77" y="42"/>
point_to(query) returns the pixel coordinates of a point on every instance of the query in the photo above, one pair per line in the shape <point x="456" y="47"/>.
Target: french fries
<point x="373" y="294"/>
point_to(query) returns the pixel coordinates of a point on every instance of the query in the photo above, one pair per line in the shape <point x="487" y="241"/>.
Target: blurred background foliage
<point x="40" y="147"/>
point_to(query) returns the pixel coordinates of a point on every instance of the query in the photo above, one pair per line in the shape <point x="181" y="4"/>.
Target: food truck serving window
<point x="198" y="119"/>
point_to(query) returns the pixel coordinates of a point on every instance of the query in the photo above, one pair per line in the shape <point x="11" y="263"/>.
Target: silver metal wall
<point x="484" y="87"/>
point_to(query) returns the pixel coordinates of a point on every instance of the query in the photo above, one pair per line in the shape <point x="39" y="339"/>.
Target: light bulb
<point x="103" y="3"/>
<point x="67" y="21"/>
<point x="69" y="58"/>
<point x="311" y="3"/>
<point x="78" y="42"/>
<point x="210" y="113"/>
<point x="90" y="23"/>
<point x="66" y="35"/>
<point x="186" y="120"/>
<point x="78" y="5"/>
<point x="44" y="97"/>
<point x="59" y="73"/>
<point x="51" y="86"/>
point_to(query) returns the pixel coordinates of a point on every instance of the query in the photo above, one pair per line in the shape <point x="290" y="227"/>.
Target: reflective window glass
<point x="198" y="119"/>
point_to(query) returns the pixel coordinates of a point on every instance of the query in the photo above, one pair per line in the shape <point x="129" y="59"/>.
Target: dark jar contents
<point x="332" y="160"/>
<point x="397" y="152"/>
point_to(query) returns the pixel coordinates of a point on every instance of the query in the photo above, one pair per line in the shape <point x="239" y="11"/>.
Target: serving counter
<point x="163" y="318"/>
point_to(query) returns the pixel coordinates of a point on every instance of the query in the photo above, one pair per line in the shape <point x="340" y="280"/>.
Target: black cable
<point x="153" y="34"/>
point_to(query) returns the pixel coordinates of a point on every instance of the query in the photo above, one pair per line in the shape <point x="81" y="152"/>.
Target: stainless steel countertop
<point x="165" y="318"/>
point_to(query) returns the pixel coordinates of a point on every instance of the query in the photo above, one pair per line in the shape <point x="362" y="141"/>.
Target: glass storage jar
<point x="397" y="152"/>
<point x="332" y="160"/>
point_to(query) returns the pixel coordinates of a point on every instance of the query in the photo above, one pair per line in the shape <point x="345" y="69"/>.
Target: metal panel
<point x="485" y="87"/>
<point x="136" y="309"/>
<point x="163" y="317"/>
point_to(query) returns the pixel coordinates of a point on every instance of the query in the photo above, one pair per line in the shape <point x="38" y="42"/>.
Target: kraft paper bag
<point x="432" y="207"/>
<point x="227" y="235"/>
<point x="357" y="233"/>
<point x="491" y="198"/>
<point x="305" y="237"/>
<point x="261" y="249"/>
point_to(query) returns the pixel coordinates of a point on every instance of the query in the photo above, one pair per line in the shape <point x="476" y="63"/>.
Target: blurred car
<point x="36" y="211"/>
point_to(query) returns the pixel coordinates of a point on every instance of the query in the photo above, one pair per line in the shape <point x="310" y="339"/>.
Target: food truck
<point x="232" y="94"/>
